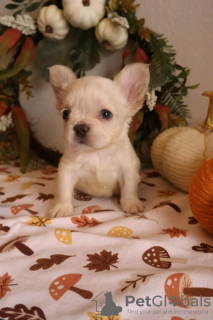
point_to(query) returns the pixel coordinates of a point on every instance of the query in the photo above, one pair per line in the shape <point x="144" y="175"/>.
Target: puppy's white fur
<point x="102" y="162"/>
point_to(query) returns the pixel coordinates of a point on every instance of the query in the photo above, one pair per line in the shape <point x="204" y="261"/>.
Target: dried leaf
<point x="174" y="232"/>
<point x="141" y="56"/>
<point x="20" y="311"/>
<point x="8" y="40"/>
<point x="84" y="221"/>
<point x="164" y="115"/>
<point x="46" y="263"/>
<point x="45" y="197"/>
<point x="102" y="261"/>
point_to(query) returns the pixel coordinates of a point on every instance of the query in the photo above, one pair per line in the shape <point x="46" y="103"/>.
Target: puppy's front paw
<point x="61" y="210"/>
<point x="132" y="205"/>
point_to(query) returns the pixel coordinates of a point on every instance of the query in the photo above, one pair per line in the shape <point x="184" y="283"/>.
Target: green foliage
<point x="86" y="54"/>
<point x="174" y="91"/>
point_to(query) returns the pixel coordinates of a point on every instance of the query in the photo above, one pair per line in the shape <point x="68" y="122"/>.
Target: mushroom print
<point x="63" y="235"/>
<point x="67" y="282"/>
<point x="121" y="232"/>
<point x="17" y="243"/>
<point x="158" y="257"/>
<point x="179" y="285"/>
<point x="16" y="209"/>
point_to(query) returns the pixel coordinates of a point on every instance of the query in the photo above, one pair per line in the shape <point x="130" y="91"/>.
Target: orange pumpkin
<point x="201" y="195"/>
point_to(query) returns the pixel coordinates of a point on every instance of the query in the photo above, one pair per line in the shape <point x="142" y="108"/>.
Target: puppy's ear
<point x="133" y="82"/>
<point x="60" y="77"/>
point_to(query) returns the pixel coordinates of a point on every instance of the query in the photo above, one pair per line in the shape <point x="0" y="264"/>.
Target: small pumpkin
<point x="52" y="23"/>
<point x="84" y="14"/>
<point x="178" y="152"/>
<point x="111" y="35"/>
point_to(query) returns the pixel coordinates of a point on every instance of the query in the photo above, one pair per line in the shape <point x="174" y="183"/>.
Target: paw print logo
<point x="174" y="301"/>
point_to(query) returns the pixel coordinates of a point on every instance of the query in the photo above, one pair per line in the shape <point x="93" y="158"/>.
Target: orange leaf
<point x="5" y="280"/>
<point x="174" y="232"/>
<point x="141" y="56"/>
<point x="3" y="108"/>
<point x="164" y="115"/>
<point x="124" y="56"/>
<point x="26" y="53"/>
<point x="8" y="40"/>
<point x="84" y="221"/>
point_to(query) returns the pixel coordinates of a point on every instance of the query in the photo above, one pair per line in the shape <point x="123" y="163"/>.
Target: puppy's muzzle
<point x="81" y="130"/>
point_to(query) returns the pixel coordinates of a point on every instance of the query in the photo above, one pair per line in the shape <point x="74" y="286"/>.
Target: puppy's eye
<point x="66" y="114"/>
<point x="106" y="114"/>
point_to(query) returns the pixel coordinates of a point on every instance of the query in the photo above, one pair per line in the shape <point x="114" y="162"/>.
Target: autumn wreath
<point x="73" y="33"/>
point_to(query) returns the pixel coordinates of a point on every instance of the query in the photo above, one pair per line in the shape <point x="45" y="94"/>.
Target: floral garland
<point x="74" y="33"/>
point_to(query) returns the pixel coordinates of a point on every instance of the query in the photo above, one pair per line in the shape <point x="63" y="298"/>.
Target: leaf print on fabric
<point x="44" y="197"/>
<point x="133" y="284"/>
<point x="28" y="185"/>
<point x="16" y="209"/>
<point x="39" y="221"/>
<point x="82" y="196"/>
<point x="5" y="170"/>
<point x="1" y="191"/>
<point x="206" y="248"/>
<point x="49" y="171"/>
<point x="192" y="220"/>
<point x="63" y="235"/>
<point x="168" y="203"/>
<point x="120" y="232"/>
<point x="148" y="184"/>
<point x="158" y="257"/>
<point x="166" y="193"/>
<point x="152" y="174"/>
<point x="20" y="311"/>
<point x="174" y="232"/>
<point x="13" y="199"/>
<point x="12" y="178"/>
<point x="83" y="222"/>
<point x="67" y="282"/>
<point x="5" y="283"/>
<point x="18" y="243"/>
<point x="47" y="263"/>
<point x="102" y="261"/>
<point x="4" y="229"/>
<point x="91" y="209"/>
<point x="98" y="316"/>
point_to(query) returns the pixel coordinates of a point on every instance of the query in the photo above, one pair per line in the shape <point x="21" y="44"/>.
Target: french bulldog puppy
<point x="98" y="157"/>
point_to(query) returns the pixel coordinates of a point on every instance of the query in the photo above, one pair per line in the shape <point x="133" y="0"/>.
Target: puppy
<point x="98" y="158"/>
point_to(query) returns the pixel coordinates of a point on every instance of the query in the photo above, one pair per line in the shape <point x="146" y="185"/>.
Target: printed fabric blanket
<point x="101" y="263"/>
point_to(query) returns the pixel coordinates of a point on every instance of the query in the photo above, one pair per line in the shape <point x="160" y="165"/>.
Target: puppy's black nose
<point x="81" y="130"/>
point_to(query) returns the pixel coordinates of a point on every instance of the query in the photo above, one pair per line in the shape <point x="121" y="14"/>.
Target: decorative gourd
<point x="52" y="23"/>
<point x="84" y="14"/>
<point x="111" y="35"/>
<point x="178" y="152"/>
<point x="201" y="195"/>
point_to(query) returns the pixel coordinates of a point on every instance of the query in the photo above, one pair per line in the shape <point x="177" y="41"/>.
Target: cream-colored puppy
<point x="98" y="158"/>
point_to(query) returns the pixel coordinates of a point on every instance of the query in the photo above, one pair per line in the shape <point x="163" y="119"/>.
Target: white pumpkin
<point x="52" y="23"/>
<point x="178" y="152"/>
<point x="84" y="14"/>
<point x="111" y="35"/>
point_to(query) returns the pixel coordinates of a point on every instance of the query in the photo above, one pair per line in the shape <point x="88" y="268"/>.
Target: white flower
<point x="23" y="23"/>
<point x="151" y="98"/>
<point x="5" y="122"/>
<point x="114" y="17"/>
